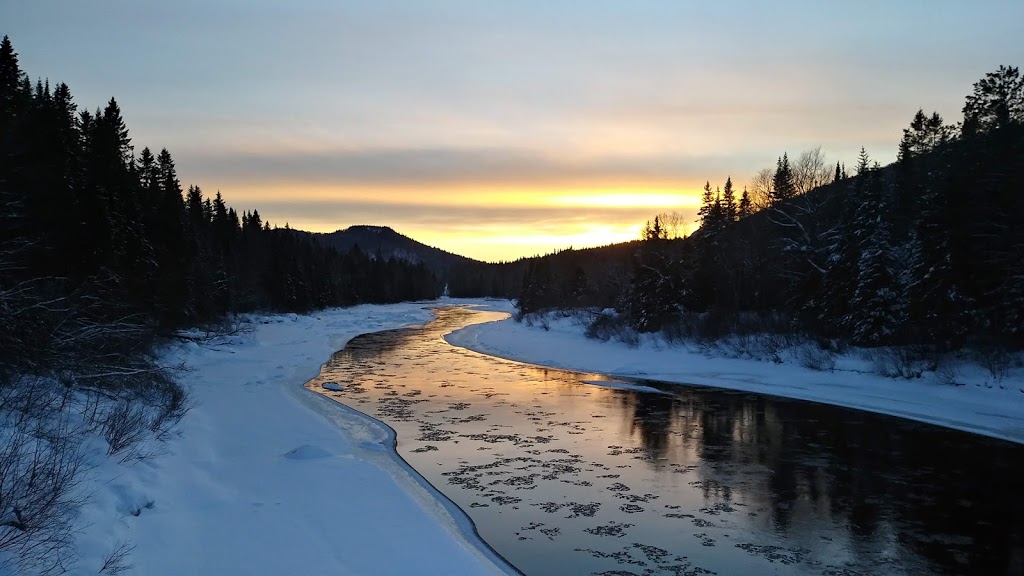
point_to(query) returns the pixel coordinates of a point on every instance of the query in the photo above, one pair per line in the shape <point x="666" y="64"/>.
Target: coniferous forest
<point x="927" y="251"/>
<point x="102" y="253"/>
<point x="87" y="218"/>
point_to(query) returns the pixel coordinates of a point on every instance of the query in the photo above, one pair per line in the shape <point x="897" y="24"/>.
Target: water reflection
<point x="563" y="477"/>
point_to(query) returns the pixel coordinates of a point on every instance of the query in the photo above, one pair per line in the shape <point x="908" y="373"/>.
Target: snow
<point x="266" y="477"/>
<point x="269" y="478"/>
<point x="987" y="405"/>
<point x="616" y="385"/>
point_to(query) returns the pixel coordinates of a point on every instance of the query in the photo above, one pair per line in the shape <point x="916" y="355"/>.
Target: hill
<point x="381" y="241"/>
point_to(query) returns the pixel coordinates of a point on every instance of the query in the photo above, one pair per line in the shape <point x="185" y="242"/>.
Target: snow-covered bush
<point x="605" y="326"/>
<point x="813" y="356"/>
<point x="41" y="458"/>
<point x="900" y="361"/>
<point x="947" y="373"/>
<point x="997" y="361"/>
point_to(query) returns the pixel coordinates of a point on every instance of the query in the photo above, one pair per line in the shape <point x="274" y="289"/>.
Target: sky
<point x="505" y="129"/>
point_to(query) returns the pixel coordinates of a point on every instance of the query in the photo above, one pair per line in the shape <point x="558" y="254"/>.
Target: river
<point x="572" y="473"/>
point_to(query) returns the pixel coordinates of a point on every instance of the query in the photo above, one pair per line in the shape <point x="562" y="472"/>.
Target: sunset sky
<point x="506" y="129"/>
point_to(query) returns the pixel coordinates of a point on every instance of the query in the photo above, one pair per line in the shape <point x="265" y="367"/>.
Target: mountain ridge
<point x="384" y="241"/>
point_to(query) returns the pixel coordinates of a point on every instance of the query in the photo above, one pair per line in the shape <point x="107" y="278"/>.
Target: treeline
<point x="928" y="250"/>
<point x="81" y="208"/>
<point x="101" y="254"/>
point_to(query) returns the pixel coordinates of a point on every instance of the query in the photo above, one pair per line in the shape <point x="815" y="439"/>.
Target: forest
<point x="92" y="227"/>
<point x="927" y="252"/>
<point x="103" y="255"/>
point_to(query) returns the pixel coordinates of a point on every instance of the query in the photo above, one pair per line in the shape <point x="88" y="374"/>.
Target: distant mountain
<point x="385" y="242"/>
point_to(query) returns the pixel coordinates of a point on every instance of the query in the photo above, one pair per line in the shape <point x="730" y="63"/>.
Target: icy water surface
<point x="562" y="476"/>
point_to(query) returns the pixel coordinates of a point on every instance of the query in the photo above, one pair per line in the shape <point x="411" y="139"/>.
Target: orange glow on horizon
<point x="490" y="223"/>
<point x="656" y="196"/>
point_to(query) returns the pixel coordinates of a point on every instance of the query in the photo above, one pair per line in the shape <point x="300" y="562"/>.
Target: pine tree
<point x="783" y="184"/>
<point x="656" y="290"/>
<point x="536" y="292"/>
<point x="925" y="134"/>
<point x="13" y="97"/>
<point x="745" y="207"/>
<point x="863" y="162"/>
<point x="706" y="207"/>
<point x="194" y="207"/>
<point x="729" y="201"/>
<point x="840" y="279"/>
<point x="876" y="308"/>
<point x="997" y="101"/>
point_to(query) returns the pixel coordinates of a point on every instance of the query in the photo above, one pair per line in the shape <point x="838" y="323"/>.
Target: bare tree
<point x="673" y="223"/>
<point x="811" y="170"/>
<point x="118" y="560"/>
<point x="40" y="463"/>
<point x="761" y="187"/>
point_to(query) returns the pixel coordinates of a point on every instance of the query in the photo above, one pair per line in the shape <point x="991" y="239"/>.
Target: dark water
<point x="564" y="477"/>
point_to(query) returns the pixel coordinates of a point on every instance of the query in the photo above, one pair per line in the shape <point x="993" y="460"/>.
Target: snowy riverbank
<point x="981" y="405"/>
<point x="267" y="478"/>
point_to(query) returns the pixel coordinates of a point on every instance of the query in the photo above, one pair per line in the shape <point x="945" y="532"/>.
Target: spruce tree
<point x="997" y="101"/>
<point x="13" y="98"/>
<point x="876" y="308"/>
<point x="783" y="184"/>
<point x="745" y="208"/>
<point x="657" y="290"/>
<point x="729" y="202"/>
<point x="706" y="207"/>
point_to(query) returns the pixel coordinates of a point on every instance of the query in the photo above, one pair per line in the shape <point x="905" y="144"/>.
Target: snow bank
<point x="269" y="478"/>
<point x="981" y="406"/>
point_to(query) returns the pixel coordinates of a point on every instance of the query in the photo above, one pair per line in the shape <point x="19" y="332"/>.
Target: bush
<point x="606" y="327"/>
<point x="813" y="356"/>
<point x="996" y="360"/>
<point x="948" y="374"/>
<point x="901" y="361"/>
<point x="41" y="459"/>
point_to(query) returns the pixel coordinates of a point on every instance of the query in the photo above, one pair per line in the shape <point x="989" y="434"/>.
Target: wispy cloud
<point x="446" y="165"/>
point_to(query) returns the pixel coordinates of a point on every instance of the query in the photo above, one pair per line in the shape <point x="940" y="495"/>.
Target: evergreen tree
<point x="537" y="287"/>
<point x="13" y="97"/>
<point x="997" y="101"/>
<point x="783" y="184"/>
<point x="745" y="207"/>
<point x="876" y="308"/>
<point x="926" y="133"/>
<point x="657" y="289"/>
<point x="706" y="207"/>
<point x="194" y="207"/>
<point x="729" y="201"/>
<point x="863" y="162"/>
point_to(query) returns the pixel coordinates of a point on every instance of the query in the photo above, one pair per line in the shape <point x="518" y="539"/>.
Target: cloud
<point x="446" y="217"/>
<point x="446" y="165"/>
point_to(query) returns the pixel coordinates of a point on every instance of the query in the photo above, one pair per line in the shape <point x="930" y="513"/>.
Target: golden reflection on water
<point x="565" y="477"/>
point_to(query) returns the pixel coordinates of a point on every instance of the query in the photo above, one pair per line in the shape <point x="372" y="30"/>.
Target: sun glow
<point x="658" y="200"/>
<point x="488" y="222"/>
<point x="512" y="242"/>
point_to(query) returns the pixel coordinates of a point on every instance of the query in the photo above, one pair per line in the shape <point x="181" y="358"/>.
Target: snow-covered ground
<point x="983" y="404"/>
<point x="268" y="478"/>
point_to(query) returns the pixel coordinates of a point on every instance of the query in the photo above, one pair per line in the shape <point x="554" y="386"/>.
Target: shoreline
<point x="265" y="478"/>
<point x="997" y="414"/>
<point x="462" y="523"/>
